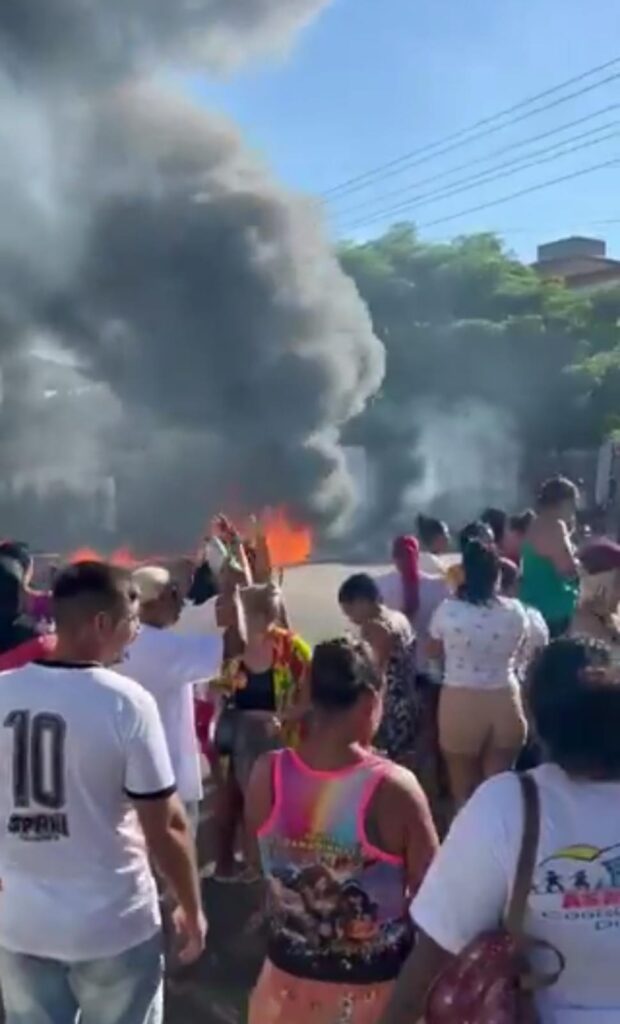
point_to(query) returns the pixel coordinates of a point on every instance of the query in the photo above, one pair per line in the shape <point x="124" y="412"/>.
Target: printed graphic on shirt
<point x="38" y="776"/>
<point x="580" y="883"/>
<point x="333" y="911"/>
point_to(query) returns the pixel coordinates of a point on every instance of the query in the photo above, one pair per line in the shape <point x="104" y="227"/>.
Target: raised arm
<point x="561" y="551"/>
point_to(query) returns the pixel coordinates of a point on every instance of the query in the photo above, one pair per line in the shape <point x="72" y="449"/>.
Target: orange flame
<point x="288" y="542"/>
<point x="85" y="555"/>
<point x="122" y="557"/>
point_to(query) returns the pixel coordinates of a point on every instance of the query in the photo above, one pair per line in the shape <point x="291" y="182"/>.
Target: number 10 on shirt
<point x="38" y="760"/>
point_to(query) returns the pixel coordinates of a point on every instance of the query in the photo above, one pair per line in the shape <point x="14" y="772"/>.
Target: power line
<point x="523" y="192"/>
<point x="493" y="131"/>
<point x="555" y="152"/>
<point x="464" y="137"/>
<point x="393" y="193"/>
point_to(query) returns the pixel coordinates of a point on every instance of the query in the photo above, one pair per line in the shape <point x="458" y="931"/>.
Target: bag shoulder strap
<point x="526" y="864"/>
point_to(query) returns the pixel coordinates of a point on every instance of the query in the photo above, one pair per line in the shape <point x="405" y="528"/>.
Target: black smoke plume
<point x="212" y="344"/>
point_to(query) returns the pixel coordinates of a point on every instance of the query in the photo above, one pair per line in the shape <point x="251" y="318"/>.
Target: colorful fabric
<point x="279" y="998"/>
<point x="337" y="909"/>
<point x="291" y="658"/>
<point x="397" y="732"/>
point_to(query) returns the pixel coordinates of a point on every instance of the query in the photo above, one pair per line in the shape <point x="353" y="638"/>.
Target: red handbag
<point x="491" y="981"/>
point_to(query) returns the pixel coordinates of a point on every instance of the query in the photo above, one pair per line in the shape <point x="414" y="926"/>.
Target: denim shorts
<point x="125" y="989"/>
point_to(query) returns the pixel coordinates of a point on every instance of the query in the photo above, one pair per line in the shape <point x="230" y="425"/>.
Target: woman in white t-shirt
<point x="479" y="635"/>
<point x="537" y="629"/>
<point x="574" y="901"/>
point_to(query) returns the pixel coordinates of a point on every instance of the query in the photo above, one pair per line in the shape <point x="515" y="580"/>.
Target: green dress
<point x="542" y="586"/>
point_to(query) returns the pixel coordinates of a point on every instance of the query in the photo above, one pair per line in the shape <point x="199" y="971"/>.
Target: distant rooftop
<point x="582" y="262"/>
<point x="574" y="247"/>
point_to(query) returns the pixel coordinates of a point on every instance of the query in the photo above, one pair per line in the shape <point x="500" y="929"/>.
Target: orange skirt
<point x="280" y="998"/>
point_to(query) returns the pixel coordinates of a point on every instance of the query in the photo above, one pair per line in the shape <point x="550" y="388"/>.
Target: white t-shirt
<point x="390" y="586"/>
<point x="575" y="898"/>
<point x="167" y="664"/>
<point x="481" y="641"/>
<point x="76" y="881"/>
<point x="537" y="637"/>
<point x="433" y="590"/>
<point x="197" y="619"/>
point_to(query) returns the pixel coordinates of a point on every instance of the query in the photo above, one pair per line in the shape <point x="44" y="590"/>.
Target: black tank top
<point x="258" y="694"/>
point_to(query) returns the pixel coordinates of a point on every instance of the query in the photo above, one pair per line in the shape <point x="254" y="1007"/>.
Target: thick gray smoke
<point x="160" y="254"/>
<point x="68" y="39"/>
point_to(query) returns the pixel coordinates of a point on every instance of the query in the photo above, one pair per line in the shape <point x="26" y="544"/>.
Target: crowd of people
<point x="430" y="799"/>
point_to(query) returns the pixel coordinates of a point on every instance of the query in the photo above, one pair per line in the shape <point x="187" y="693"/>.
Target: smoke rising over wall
<point x="201" y="299"/>
<point x="446" y="458"/>
<point x="469" y="459"/>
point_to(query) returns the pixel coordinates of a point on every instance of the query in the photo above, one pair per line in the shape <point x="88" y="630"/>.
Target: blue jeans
<point x="125" y="989"/>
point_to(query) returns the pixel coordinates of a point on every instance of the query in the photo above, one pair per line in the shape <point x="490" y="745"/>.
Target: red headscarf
<point x="406" y="555"/>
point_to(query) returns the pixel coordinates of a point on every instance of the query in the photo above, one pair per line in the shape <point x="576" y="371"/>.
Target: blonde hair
<point x="263" y="599"/>
<point x="151" y="581"/>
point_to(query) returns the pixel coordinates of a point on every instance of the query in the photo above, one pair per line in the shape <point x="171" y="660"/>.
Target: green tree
<point x="468" y="320"/>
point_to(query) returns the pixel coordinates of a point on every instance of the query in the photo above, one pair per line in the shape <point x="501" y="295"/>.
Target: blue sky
<point x="370" y="80"/>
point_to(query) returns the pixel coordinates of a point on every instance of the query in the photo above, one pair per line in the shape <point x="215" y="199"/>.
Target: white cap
<point x="151" y="581"/>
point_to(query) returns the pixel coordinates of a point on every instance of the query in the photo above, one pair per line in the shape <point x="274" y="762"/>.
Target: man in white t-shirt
<point x="87" y="799"/>
<point x="168" y="665"/>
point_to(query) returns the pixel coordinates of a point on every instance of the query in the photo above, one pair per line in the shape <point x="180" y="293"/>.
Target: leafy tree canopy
<point x="467" y="320"/>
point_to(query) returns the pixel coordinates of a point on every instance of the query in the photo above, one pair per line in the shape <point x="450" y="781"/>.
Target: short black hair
<point x="497" y="519"/>
<point x="556" y="491"/>
<point x="481" y="568"/>
<point x="474" y="531"/>
<point x="430" y="530"/>
<point x="341" y="671"/>
<point x="18" y="551"/>
<point x="576" y="712"/>
<point x="85" y="589"/>
<point x="360" y="587"/>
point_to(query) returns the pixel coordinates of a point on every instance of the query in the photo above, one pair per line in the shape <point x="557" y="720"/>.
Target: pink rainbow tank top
<point x="337" y="907"/>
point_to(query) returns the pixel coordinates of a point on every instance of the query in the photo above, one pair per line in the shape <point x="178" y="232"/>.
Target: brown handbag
<point x="491" y="981"/>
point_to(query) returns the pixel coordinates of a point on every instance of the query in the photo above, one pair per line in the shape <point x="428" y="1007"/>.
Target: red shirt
<point x="37" y="649"/>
